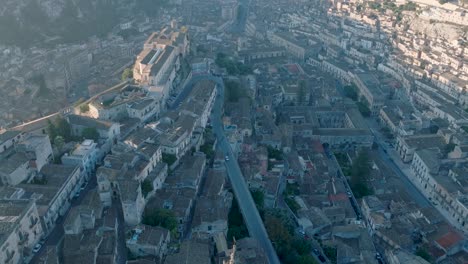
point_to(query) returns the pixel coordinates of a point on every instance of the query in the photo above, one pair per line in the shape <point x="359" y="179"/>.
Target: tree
<point x="84" y="108"/>
<point x="443" y="1"/>
<point x="59" y="142"/>
<point x="364" y="109"/>
<point x="63" y="129"/>
<point x="259" y="198"/>
<point x="302" y="92"/>
<point x="127" y="74"/>
<point x="169" y="159"/>
<point x="274" y="153"/>
<point x="208" y="150"/>
<point x="51" y="130"/>
<point x="160" y="217"/>
<point x="90" y="133"/>
<point x="359" y="175"/>
<point x="350" y="92"/>
<point x="146" y="187"/>
<point x="236" y="226"/>
<point x="422" y="252"/>
<point x="306" y="259"/>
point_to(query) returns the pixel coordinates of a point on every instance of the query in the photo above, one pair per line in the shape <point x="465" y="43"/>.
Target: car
<point x="316" y="251"/>
<point x="226" y="158"/>
<point x="77" y="194"/>
<point x="349" y="194"/>
<point x="378" y="256"/>
<point x="37" y="247"/>
<point x="322" y="259"/>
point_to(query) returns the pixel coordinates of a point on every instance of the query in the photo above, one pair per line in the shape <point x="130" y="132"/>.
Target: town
<point x="237" y="131"/>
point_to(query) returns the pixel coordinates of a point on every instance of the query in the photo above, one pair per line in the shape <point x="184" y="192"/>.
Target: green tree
<point x="127" y="74"/>
<point x="259" y="198"/>
<point x="59" y="142"/>
<point x="274" y="153"/>
<point x="364" y="109"/>
<point x="302" y="92"/>
<point x="208" y="150"/>
<point x="51" y="130"/>
<point x="84" y="108"/>
<point x="302" y="246"/>
<point x="63" y="129"/>
<point x="330" y="252"/>
<point x="236" y="226"/>
<point x="169" y="159"/>
<point x="90" y="133"/>
<point x="422" y="252"/>
<point x="146" y="187"/>
<point x="360" y="174"/>
<point x="160" y="217"/>
<point x="350" y="92"/>
<point x="306" y="259"/>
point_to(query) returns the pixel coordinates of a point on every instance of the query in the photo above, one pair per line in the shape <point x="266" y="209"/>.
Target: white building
<point x="84" y="155"/>
<point x="21" y="229"/>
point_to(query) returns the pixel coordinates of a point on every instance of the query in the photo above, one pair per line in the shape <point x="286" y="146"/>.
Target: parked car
<point x="226" y="158"/>
<point x="37" y="247"/>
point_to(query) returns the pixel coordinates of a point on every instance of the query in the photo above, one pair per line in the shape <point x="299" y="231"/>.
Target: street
<point x="246" y="203"/>
<point x="57" y="233"/>
<point x="390" y="157"/>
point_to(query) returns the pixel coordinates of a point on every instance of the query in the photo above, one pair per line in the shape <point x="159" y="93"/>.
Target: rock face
<point x="445" y="31"/>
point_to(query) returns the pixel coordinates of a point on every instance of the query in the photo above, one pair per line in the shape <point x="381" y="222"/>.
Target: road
<point x="56" y="235"/>
<point x="241" y="20"/>
<point x="390" y="157"/>
<point x="246" y="203"/>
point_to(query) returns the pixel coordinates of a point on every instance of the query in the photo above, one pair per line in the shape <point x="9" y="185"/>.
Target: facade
<point x="21" y="229"/>
<point x="406" y="146"/>
<point x="445" y="191"/>
<point x="369" y="89"/>
<point x="84" y="155"/>
<point x="149" y="241"/>
<point x="53" y="198"/>
<point x="133" y="202"/>
<point x="108" y="131"/>
<point x="288" y="42"/>
<point x="8" y="138"/>
<point x="157" y="64"/>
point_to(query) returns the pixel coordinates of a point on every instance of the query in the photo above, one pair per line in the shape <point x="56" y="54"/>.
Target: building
<point x="369" y="88"/>
<point x="78" y="219"/>
<point x="20" y="163"/>
<point x="108" y="131"/>
<point x="191" y="251"/>
<point x="21" y="229"/>
<point x="210" y="217"/>
<point x="8" y="138"/>
<point x="445" y="190"/>
<point x="289" y="42"/>
<point x="55" y="188"/>
<point x="175" y="137"/>
<point x="149" y="241"/>
<point x="200" y="101"/>
<point x="157" y="64"/>
<point x="84" y="155"/>
<point x="133" y="202"/>
<point x="406" y="146"/>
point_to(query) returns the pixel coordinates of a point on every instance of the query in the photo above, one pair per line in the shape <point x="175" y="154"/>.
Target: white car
<point x="37" y="247"/>
<point x="227" y="158"/>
